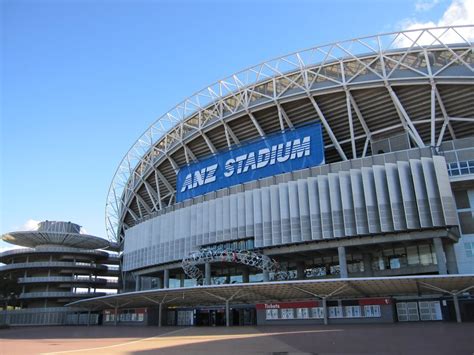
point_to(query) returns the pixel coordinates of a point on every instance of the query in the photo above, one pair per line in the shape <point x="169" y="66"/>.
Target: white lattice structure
<point x="418" y="83"/>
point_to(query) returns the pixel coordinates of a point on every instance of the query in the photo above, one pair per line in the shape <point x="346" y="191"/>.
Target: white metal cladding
<point x="348" y="71"/>
<point x="327" y="206"/>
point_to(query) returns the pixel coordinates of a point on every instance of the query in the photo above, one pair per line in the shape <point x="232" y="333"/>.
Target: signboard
<point x="292" y="150"/>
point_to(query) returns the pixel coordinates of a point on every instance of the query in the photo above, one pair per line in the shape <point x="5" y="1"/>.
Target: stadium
<point x="335" y="184"/>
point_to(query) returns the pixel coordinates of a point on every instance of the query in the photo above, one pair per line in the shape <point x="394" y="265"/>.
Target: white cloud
<point x="29" y="225"/>
<point x="459" y="12"/>
<point x="425" y="5"/>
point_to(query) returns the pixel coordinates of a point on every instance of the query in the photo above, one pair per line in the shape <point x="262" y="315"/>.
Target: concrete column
<point x="266" y="276"/>
<point x="325" y="311"/>
<point x="440" y="258"/>
<point x="341" y="251"/>
<point x="181" y="281"/>
<point x="160" y="313"/>
<point x="88" y="318"/>
<point x="300" y="266"/>
<point x="116" y="315"/>
<point x="451" y="262"/>
<point x="207" y="273"/>
<point x="245" y="275"/>
<point x="166" y="278"/>
<point x="137" y="283"/>
<point x="227" y="313"/>
<point x="457" y="309"/>
<point x="367" y="259"/>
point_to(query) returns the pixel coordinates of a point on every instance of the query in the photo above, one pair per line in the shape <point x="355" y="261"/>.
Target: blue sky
<point x="81" y="80"/>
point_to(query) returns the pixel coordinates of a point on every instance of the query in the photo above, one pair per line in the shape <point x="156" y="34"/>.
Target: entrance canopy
<point x="278" y="291"/>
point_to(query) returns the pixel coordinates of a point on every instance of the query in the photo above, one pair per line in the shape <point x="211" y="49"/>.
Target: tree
<point x="9" y="290"/>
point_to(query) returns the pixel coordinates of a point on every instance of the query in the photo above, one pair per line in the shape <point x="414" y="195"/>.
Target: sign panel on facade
<point x="292" y="150"/>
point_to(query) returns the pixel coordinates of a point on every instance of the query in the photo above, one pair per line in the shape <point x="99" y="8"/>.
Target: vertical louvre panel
<point x="284" y="213"/>
<point x="347" y="203"/>
<point x="383" y="198"/>
<point x="275" y="211"/>
<point x="303" y="201"/>
<point x="360" y="209"/>
<point x="219" y="219"/>
<point x="445" y="191"/>
<point x="226" y="235"/>
<point x="432" y="190"/>
<point x="212" y="221"/>
<point x="241" y="215"/>
<point x="421" y="193"/>
<point x="199" y="224"/>
<point x="205" y="222"/>
<point x="233" y="217"/>
<point x="257" y="217"/>
<point x="314" y="209"/>
<point x="266" y="217"/>
<point x="395" y="194"/>
<point x="336" y="205"/>
<point x="325" y="206"/>
<point x="295" y="223"/>
<point x="249" y="214"/>
<point x="408" y="195"/>
<point x="371" y="200"/>
<point x="193" y="228"/>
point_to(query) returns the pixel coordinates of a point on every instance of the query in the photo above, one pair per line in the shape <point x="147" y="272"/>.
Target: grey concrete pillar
<point x="266" y="276"/>
<point x="88" y="318"/>
<point x="227" y="313"/>
<point x="457" y="309"/>
<point x="440" y="258"/>
<point x="451" y="261"/>
<point x="325" y="311"/>
<point x="166" y="278"/>
<point x="207" y="273"/>
<point x="116" y="316"/>
<point x="245" y="275"/>
<point x="138" y="283"/>
<point x="160" y="313"/>
<point x="367" y="259"/>
<point x="181" y="281"/>
<point x="300" y="266"/>
<point x="341" y="251"/>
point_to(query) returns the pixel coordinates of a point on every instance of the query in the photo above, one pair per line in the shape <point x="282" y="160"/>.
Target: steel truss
<point x="425" y="56"/>
<point x="245" y="257"/>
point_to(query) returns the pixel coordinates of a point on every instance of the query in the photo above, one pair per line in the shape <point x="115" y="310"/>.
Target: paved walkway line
<point x="115" y="345"/>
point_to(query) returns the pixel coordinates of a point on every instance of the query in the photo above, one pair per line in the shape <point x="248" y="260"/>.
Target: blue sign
<point x="292" y="150"/>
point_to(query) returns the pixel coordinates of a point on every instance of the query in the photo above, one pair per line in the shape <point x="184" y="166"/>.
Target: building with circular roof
<point x="57" y="266"/>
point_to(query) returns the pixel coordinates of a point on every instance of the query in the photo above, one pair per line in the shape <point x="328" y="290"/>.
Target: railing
<point x="52" y="264"/>
<point x="47" y="250"/>
<point x="84" y="279"/>
<point x="45" y="294"/>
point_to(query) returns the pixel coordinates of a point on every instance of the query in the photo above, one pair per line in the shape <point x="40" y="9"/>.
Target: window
<point x="302" y="313"/>
<point x="372" y="311"/>
<point x="466" y="222"/>
<point x="287" y="313"/>
<point x="317" y="312"/>
<point x="469" y="247"/>
<point x="272" y="314"/>
<point x="353" y="311"/>
<point x="335" y="312"/>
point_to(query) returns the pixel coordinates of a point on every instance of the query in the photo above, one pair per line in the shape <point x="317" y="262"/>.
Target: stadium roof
<point x="287" y="290"/>
<point x="417" y="82"/>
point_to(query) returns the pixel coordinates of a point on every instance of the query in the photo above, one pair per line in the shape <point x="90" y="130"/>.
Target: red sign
<point x="372" y="301"/>
<point x="278" y="305"/>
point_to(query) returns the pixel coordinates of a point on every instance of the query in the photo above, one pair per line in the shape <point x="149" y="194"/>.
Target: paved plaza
<point x="421" y="338"/>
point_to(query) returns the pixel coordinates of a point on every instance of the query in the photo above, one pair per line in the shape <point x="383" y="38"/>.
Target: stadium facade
<point x="335" y="184"/>
<point x="58" y="265"/>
